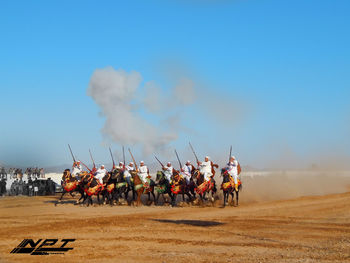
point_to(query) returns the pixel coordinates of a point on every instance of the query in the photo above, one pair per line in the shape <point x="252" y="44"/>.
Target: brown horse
<point x="204" y="187"/>
<point x="142" y="188"/>
<point x="71" y="184"/>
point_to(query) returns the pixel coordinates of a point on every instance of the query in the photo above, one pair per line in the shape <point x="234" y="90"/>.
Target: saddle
<point x="230" y="184"/>
<point x="94" y="190"/>
<point x="205" y="187"/>
<point x="70" y="186"/>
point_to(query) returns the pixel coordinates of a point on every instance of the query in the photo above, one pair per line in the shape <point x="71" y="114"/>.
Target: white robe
<point x="100" y="173"/>
<point x="168" y="173"/>
<point x="127" y="171"/>
<point x="232" y="170"/>
<point x="143" y="173"/>
<point x="187" y="173"/>
<point x="77" y="170"/>
<point x="205" y="169"/>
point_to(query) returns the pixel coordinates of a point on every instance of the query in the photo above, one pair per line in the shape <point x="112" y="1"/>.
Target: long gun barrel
<point x="159" y="161"/>
<point x="124" y="156"/>
<point x="71" y="153"/>
<point x="110" y="151"/>
<point x="93" y="162"/>
<point x="229" y="157"/>
<point x="177" y="156"/>
<point x="195" y="155"/>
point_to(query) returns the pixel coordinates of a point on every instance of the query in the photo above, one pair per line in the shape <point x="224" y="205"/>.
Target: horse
<point x="92" y="186"/>
<point x="204" y="187"/>
<point x="71" y="184"/>
<point x="162" y="187"/>
<point x="228" y="187"/>
<point x="179" y="186"/>
<point x="142" y="188"/>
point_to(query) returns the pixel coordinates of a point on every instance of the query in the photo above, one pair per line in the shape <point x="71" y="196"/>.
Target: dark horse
<point x="71" y="184"/>
<point x="91" y="187"/>
<point x="162" y="187"/>
<point x="228" y="187"/>
<point x="179" y="186"/>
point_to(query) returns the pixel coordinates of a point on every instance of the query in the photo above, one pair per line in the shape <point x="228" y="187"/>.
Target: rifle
<point x="195" y="155"/>
<point x="159" y="161"/>
<point x="110" y="151"/>
<point x="177" y="156"/>
<point x="230" y="154"/>
<point x="71" y="153"/>
<point x="124" y="156"/>
<point x="132" y="157"/>
<point x="93" y="162"/>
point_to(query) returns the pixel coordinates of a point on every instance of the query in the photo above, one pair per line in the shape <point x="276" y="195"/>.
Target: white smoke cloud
<point x="117" y="93"/>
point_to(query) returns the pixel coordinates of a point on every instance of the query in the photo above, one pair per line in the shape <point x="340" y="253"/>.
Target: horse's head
<point x="160" y="176"/>
<point x="115" y="174"/>
<point x="106" y="178"/>
<point x="66" y="173"/>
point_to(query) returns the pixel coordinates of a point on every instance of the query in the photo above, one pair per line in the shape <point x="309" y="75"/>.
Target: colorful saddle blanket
<point x="70" y="186"/>
<point x="205" y="187"/>
<point x="230" y="185"/>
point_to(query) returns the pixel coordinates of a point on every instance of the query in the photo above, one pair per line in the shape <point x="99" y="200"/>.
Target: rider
<point x="100" y="173"/>
<point x="120" y="166"/>
<point x="143" y="172"/>
<point x="127" y="174"/>
<point x="205" y="168"/>
<point x="187" y="171"/>
<point x="168" y="171"/>
<point x="232" y="170"/>
<point x="77" y="169"/>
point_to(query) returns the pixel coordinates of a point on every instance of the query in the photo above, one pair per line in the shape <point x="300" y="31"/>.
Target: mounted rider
<point x="186" y="171"/>
<point x="168" y="171"/>
<point x="143" y="172"/>
<point x="206" y="168"/>
<point x="233" y="169"/>
<point x="127" y="175"/>
<point x="100" y="173"/>
<point x="77" y="169"/>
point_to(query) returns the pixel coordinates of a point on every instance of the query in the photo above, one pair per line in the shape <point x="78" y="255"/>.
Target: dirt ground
<point x="305" y="229"/>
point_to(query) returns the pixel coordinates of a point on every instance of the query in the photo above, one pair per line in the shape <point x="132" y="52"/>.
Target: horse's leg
<point x="139" y="194"/>
<point x="59" y="200"/>
<point x="237" y="198"/>
<point x="154" y="196"/>
<point x="149" y="198"/>
<point x="173" y="203"/>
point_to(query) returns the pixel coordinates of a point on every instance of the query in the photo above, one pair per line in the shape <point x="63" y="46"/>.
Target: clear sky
<point x="284" y="66"/>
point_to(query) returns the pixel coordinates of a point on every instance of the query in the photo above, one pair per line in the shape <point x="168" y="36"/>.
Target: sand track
<point x="306" y="229"/>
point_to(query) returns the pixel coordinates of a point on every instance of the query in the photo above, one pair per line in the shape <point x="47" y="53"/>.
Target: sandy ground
<point x="305" y="229"/>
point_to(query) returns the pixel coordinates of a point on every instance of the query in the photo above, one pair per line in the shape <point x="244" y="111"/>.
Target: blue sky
<point x="286" y="62"/>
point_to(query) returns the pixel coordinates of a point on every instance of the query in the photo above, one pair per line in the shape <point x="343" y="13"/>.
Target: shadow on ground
<point x="189" y="222"/>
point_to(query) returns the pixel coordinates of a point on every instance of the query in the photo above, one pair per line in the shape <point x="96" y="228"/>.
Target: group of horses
<point x="116" y="187"/>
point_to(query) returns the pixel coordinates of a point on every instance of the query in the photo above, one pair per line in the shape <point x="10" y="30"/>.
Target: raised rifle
<point x="159" y="161"/>
<point x="229" y="157"/>
<point x="132" y="157"/>
<point x="93" y="162"/>
<point x="178" y="159"/>
<point x="124" y="156"/>
<point x="71" y="153"/>
<point x="110" y="151"/>
<point x="195" y="155"/>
